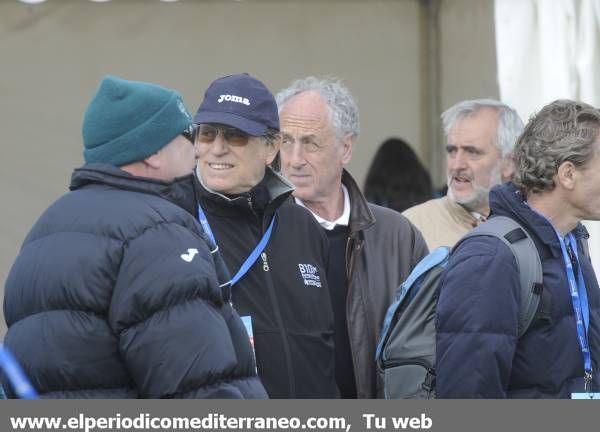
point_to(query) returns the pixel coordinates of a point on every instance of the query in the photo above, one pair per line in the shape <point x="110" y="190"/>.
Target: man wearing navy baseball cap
<point x="115" y="292"/>
<point x="274" y="249"/>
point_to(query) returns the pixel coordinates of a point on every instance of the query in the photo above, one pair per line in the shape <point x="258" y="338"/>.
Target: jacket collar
<point x="278" y="188"/>
<point x="460" y="214"/>
<point x="180" y="191"/>
<point x="343" y="220"/>
<point x="361" y="216"/>
<point x="506" y="200"/>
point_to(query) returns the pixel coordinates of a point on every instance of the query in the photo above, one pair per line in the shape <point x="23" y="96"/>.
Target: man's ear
<point x="347" y="145"/>
<point x="273" y="149"/>
<point x="507" y="169"/>
<point x="566" y="175"/>
<point x="154" y="161"/>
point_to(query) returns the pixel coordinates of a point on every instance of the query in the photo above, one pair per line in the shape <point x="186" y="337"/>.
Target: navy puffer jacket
<point x="115" y="294"/>
<point x="478" y="352"/>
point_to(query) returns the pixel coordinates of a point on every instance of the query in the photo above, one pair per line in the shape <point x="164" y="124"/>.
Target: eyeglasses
<point x="206" y="134"/>
<point x="190" y="133"/>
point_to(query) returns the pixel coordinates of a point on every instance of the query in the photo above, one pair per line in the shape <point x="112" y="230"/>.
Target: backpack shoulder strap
<point x="435" y="258"/>
<point x="528" y="261"/>
<point x="585" y="247"/>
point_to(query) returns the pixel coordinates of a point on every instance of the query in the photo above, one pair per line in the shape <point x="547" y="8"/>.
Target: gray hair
<point x="343" y="110"/>
<point x="563" y="131"/>
<point x="269" y="137"/>
<point x="509" y="127"/>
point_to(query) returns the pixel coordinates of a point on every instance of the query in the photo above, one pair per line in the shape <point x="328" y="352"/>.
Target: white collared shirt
<point x="479" y="217"/>
<point x="344" y="219"/>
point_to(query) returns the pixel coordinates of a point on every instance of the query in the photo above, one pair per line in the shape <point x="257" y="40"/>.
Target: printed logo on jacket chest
<point x="310" y="275"/>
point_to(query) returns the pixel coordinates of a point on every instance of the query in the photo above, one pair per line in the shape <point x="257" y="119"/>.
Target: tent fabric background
<point x="53" y="55"/>
<point x="547" y="50"/>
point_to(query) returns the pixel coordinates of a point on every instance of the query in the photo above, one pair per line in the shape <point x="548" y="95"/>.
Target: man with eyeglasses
<point x="372" y="249"/>
<point x="115" y="292"/>
<point x="273" y="248"/>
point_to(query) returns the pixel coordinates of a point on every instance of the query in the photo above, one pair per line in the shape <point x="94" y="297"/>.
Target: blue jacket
<point x="478" y="352"/>
<point x="115" y="294"/>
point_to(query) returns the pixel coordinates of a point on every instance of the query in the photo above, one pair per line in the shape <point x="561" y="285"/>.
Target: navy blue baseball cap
<point x="240" y="101"/>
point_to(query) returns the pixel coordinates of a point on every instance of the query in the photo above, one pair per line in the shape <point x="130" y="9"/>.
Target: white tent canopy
<point x="548" y="50"/>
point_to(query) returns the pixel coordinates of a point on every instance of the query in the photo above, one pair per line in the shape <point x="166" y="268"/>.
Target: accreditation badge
<point x="584" y="395"/>
<point x="247" y="320"/>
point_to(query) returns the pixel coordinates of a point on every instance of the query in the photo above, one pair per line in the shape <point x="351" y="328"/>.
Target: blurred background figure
<point x="397" y="179"/>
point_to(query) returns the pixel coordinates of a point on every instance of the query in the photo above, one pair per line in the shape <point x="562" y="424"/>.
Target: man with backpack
<point x="480" y="353"/>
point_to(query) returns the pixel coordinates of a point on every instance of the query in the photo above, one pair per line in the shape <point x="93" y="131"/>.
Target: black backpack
<point x="406" y="351"/>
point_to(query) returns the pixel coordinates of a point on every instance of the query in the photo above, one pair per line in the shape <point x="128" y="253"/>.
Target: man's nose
<point x="219" y="146"/>
<point x="294" y="155"/>
<point x="458" y="161"/>
<point x="297" y="159"/>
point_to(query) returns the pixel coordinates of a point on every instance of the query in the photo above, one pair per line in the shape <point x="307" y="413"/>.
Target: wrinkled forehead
<point x="305" y="113"/>
<point x="478" y="129"/>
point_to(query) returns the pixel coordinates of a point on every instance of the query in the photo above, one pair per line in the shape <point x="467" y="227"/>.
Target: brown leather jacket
<point x="382" y="249"/>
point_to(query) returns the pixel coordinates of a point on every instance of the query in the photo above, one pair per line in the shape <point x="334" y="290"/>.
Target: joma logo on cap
<point x="233" y="98"/>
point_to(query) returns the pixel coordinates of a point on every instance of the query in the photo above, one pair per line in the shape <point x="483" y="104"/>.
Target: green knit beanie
<point x="128" y="121"/>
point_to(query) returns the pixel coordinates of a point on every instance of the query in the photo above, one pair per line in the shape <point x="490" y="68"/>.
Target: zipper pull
<point x="265" y="263"/>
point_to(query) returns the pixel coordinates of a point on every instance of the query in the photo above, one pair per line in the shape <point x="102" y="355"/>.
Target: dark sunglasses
<point x="206" y="133"/>
<point x="190" y="133"/>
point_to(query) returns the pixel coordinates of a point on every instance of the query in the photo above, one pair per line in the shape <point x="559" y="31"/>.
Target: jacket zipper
<point x="349" y="266"/>
<point x="271" y="290"/>
<point x="265" y="263"/>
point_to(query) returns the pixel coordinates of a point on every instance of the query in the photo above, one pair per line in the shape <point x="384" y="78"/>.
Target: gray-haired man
<point x="479" y="352"/>
<point x="372" y="249"/>
<point x="480" y="135"/>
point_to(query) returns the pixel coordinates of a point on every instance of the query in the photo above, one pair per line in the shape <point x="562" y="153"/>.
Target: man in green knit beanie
<point x="116" y="290"/>
<point x="139" y="127"/>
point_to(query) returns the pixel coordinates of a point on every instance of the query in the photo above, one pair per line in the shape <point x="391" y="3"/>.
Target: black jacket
<point x="285" y="291"/>
<point x="115" y="294"/>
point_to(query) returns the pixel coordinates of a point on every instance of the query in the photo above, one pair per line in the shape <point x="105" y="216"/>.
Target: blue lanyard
<point x="21" y="385"/>
<point x="579" y="300"/>
<point x="253" y="255"/>
<point x="580" y="305"/>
